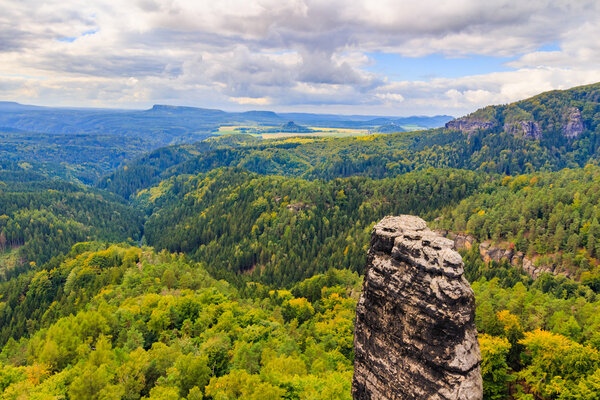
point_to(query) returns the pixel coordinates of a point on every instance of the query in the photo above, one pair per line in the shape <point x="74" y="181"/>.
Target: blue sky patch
<point x="71" y="39"/>
<point x="399" y="68"/>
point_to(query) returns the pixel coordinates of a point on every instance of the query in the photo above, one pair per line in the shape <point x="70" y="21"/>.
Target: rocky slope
<point x="498" y="252"/>
<point x="558" y="114"/>
<point x="415" y="334"/>
<point x="469" y="125"/>
<point x="527" y="128"/>
<point x="573" y="126"/>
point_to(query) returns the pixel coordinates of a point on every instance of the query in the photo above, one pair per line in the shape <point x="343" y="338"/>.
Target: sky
<point x="378" y="57"/>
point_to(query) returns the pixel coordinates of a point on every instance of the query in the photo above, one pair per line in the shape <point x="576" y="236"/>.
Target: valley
<point x="228" y="264"/>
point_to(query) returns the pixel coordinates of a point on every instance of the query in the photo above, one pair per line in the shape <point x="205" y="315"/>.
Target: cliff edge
<point x="415" y="335"/>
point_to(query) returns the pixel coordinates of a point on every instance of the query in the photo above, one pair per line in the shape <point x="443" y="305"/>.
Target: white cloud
<point x="261" y="101"/>
<point x="390" y="97"/>
<point x="290" y="54"/>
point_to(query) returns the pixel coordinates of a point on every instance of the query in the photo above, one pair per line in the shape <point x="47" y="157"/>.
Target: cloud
<point x="291" y="54"/>
<point x="261" y="101"/>
<point x="390" y="97"/>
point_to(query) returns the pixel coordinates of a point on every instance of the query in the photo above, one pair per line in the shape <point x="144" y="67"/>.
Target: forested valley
<point x="230" y="268"/>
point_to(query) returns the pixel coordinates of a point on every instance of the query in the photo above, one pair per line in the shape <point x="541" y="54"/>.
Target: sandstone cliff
<point x="524" y="129"/>
<point x="415" y="334"/>
<point x="498" y="252"/>
<point x="573" y="126"/>
<point x="469" y="125"/>
<point x="523" y="126"/>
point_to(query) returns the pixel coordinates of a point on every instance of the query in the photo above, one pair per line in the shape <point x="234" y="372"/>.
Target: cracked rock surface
<point x="415" y="335"/>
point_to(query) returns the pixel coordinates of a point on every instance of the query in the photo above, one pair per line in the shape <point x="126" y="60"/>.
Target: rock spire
<point x="415" y="335"/>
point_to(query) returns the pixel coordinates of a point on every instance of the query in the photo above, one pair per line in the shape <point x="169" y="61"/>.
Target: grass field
<point x="232" y="130"/>
<point x="259" y="131"/>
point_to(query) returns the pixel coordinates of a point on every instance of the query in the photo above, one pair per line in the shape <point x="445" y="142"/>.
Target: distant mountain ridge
<point x="551" y="131"/>
<point x="14" y="106"/>
<point x="168" y="124"/>
<point x="81" y="145"/>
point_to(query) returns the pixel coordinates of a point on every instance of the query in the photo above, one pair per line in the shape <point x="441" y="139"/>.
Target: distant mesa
<point x="291" y="127"/>
<point x="260" y="114"/>
<point x="167" y="109"/>
<point x="389" y="128"/>
<point x="12" y="106"/>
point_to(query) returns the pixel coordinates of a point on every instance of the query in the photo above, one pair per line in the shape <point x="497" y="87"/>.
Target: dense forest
<point x="126" y="322"/>
<point x="279" y="230"/>
<point x="40" y="219"/>
<point x="230" y="268"/>
<point x="82" y="158"/>
<point x="552" y="217"/>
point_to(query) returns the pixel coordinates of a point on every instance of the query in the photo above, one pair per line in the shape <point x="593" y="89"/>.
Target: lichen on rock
<point x="415" y="335"/>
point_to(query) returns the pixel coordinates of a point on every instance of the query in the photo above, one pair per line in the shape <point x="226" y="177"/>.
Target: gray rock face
<point x="469" y="125"/>
<point x="525" y="129"/>
<point x="499" y="252"/>
<point x="415" y="335"/>
<point x="462" y="241"/>
<point x="573" y="126"/>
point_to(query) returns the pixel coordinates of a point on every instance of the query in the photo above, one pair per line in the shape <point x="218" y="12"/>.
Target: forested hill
<point x="553" y="117"/>
<point x="79" y="158"/>
<point x="551" y="131"/>
<point x="41" y="218"/>
<point x="280" y="230"/>
<point x="154" y="166"/>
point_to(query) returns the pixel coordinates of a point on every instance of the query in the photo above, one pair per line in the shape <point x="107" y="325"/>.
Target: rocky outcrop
<point x="469" y="125"/>
<point x="524" y="129"/>
<point x="296" y="207"/>
<point x="497" y="253"/>
<point x="489" y="253"/>
<point x="573" y="127"/>
<point x="503" y="252"/>
<point x="534" y="271"/>
<point x="462" y="241"/>
<point x="415" y="334"/>
<point x="291" y="127"/>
